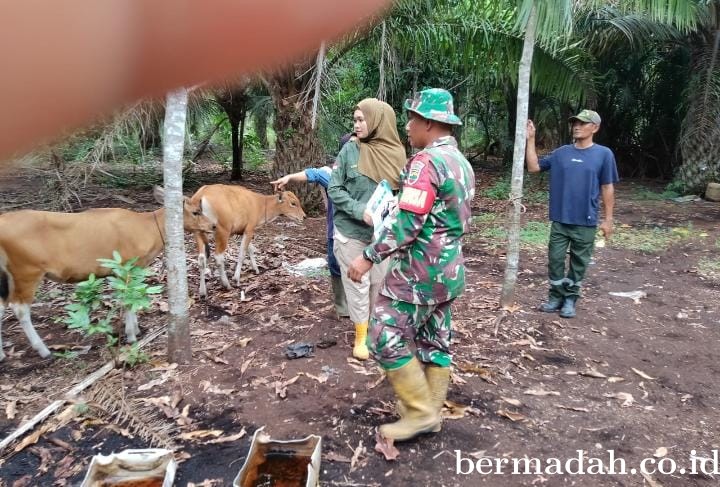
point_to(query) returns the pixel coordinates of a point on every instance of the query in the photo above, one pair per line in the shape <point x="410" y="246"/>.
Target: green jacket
<point x="350" y="191"/>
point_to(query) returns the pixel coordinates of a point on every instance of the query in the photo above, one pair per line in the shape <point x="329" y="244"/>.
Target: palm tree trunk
<point x="179" y="348"/>
<point x="507" y="297"/>
<point x="297" y="146"/>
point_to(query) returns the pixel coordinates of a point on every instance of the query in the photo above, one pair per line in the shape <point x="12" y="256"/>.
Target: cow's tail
<point x="5" y="278"/>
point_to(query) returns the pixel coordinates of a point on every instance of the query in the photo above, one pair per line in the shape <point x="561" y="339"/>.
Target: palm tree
<point x="297" y="144"/>
<point x="234" y="99"/>
<point x="699" y="140"/>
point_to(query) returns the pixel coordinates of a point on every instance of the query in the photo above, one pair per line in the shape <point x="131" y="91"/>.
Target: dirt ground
<point x="638" y="378"/>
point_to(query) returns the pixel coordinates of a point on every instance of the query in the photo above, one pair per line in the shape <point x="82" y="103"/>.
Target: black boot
<point x="552" y="305"/>
<point x="568" y="307"/>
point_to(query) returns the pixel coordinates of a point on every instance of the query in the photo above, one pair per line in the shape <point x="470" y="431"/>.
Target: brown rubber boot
<point x="411" y="388"/>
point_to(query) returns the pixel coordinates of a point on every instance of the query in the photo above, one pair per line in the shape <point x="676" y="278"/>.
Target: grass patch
<point x="484" y="218"/>
<point x="650" y="240"/>
<point x="500" y="191"/>
<point x="644" y="194"/>
<point x="709" y="268"/>
<point x="533" y="235"/>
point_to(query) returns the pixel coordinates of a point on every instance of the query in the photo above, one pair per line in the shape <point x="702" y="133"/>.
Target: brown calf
<point x="238" y="211"/>
<point x="64" y="247"/>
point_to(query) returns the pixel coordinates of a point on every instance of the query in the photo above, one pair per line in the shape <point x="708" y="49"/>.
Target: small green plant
<point x="132" y="355"/>
<point x="66" y="355"/>
<point x="97" y="302"/>
<point x="81" y="408"/>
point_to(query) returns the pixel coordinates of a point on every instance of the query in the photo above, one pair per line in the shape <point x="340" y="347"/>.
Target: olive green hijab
<point x="382" y="155"/>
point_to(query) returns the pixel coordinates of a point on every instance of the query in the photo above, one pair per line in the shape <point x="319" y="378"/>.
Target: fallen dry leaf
<point x="243" y="342"/>
<point x="379" y="380"/>
<point x="540" y="392"/>
<point x="216" y="359"/>
<point x="615" y="379"/>
<point x="512" y="402"/>
<point x="454" y="410"/>
<point x="650" y="480"/>
<point x="227" y="439"/>
<point x="245" y="365"/>
<point x="642" y="374"/>
<point x="386" y="447"/>
<point x="45" y="457"/>
<point x="11" y="409"/>
<point x="573" y="408"/>
<point x="336" y="457"/>
<point x="23" y="481"/>
<point x="208" y="387"/>
<point x="625" y="397"/>
<point x="355" y="460"/>
<point x="322" y="378"/>
<point x="512" y="416"/>
<point x="194" y="435"/>
<point x="593" y="373"/>
<point x="660" y="452"/>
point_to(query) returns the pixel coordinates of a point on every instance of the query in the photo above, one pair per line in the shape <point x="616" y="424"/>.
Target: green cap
<point x="434" y="104"/>
<point x="587" y="116"/>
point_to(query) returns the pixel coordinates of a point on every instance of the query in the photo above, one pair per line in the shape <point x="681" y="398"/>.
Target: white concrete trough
<point x="151" y="467"/>
<point x="290" y="463"/>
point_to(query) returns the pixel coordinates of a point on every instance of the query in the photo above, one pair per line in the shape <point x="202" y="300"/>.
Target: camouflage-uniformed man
<point x="427" y="271"/>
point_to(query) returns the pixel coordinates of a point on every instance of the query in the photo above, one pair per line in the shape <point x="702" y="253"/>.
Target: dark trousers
<point x="332" y="261"/>
<point x="580" y="240"/>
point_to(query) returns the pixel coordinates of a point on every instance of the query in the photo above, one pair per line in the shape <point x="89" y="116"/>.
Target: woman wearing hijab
<point x="374" y="154"/>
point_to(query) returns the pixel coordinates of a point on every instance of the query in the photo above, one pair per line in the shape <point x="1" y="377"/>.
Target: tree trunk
<point x="297" y="146"/>
<point x="234" y="101"/>
<point x="261" y="123"/>
<point x="507" y="297"/>
<point x="236" y="173"/>
<point x="179" y="347"/>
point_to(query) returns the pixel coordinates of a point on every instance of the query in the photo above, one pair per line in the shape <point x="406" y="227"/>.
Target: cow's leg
<point x="131" y="326"/>
<point x="203" y="250"/>
<point x="22" y="313"/>
<point x="251" y="254"/>
<point x="2" y="313"/>
<point x="244" y="244"/>
<point x="221" y="243"/>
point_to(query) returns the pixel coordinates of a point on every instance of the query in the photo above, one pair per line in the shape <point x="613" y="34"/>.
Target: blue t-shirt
<point x="575" y="179"/>
<point x="321" y="176"/>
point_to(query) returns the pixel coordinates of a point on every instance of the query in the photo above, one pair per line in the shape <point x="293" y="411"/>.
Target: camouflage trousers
<point x="395" y="324"/>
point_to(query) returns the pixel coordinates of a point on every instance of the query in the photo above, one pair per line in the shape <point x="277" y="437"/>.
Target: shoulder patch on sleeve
<point x="418" y="192"/>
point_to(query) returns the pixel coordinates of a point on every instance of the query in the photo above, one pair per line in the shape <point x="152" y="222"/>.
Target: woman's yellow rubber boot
<point x="411" y="388"/>
<point x="360" y="350"/>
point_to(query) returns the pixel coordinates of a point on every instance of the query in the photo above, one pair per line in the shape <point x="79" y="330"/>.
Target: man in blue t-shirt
<point x="580" y="174"/>
<point x="321" y="176"/>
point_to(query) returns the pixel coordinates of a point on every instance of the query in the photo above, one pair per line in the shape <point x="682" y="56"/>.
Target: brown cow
<point x="238" y="211"/>
<point x="64" y="247"/>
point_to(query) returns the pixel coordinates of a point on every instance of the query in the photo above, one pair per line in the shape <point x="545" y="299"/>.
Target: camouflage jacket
<point x="424" y="232"/>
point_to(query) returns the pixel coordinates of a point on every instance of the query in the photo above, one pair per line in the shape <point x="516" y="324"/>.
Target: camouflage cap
<point x="587" y="116"/>
<point x="434" y="104"/>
